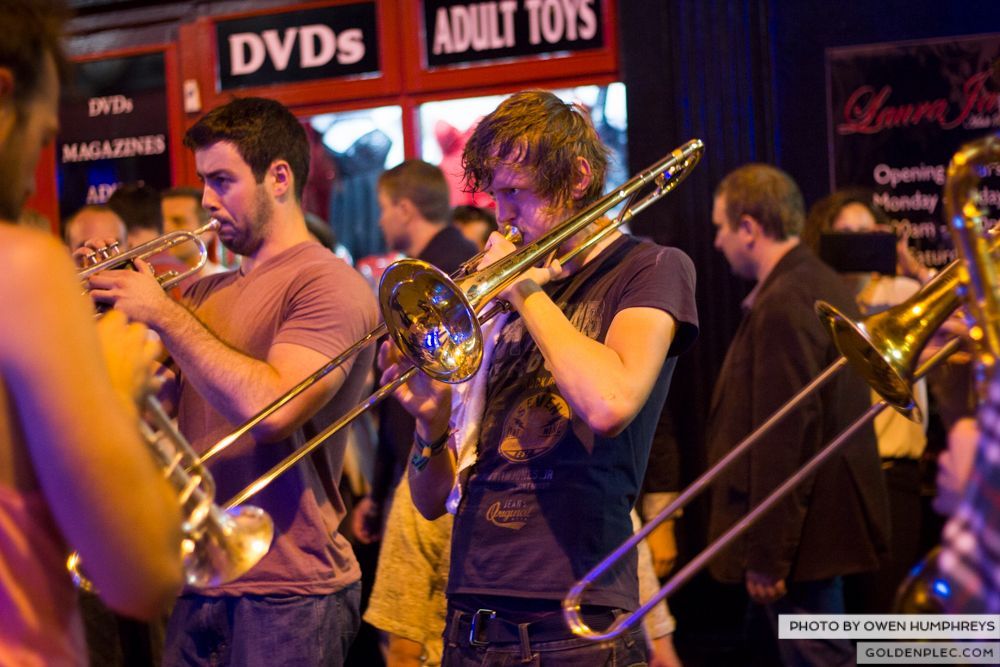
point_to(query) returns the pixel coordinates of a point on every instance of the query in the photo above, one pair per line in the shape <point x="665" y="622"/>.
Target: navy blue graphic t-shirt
<point x="547" y="498"/>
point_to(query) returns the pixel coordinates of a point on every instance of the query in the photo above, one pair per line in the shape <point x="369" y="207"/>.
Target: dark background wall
<point x="748" y="78"/>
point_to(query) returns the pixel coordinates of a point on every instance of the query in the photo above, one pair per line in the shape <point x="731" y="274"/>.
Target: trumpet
<point x="218" y="546"/>
<point x="435" y="322"/>
<point x="111" y="257"/>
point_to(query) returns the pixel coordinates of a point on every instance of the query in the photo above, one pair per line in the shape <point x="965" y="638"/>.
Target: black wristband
<point x="427" y="450"/>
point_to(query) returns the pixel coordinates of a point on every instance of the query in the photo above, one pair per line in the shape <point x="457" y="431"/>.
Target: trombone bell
<point x="885" y="348"/>
<point x="430" y="320"/>
<point x="879" y="358"/>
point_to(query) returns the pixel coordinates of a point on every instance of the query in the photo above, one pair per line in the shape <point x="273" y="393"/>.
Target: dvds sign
<point x="322" y="43"/>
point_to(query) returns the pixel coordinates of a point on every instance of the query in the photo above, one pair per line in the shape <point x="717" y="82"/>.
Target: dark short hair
<point x="540" y="132"/>
<point x="31" y="28"/>
<point x="319" y="228"/>
<point x="423" y="184"/>
<point x="466" y="213"/>
<point x="193" y="193"/>
<point x="262" y="131"/>
<point x="768" y="195"/>
<point x="138" y="205"/>
<point x="824" y="212"/>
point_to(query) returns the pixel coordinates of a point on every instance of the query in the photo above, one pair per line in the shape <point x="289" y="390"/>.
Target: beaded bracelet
<point x="427" y="450"/>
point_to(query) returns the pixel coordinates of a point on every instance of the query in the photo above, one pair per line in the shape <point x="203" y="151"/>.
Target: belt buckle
<point x="477" y="630"/>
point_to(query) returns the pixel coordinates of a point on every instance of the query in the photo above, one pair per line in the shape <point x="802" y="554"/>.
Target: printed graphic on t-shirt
<point x="534" y="427"/>
<point x="512" y="514"/>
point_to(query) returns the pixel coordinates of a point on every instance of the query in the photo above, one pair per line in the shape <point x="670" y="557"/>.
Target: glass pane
<point x="350" y="149"/>
<point x="446" y="125"/>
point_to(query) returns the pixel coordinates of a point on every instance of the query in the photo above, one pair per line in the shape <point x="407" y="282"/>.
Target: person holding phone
<point x="854" y="237"/>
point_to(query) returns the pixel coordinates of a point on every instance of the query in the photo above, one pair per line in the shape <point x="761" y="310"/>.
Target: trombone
<point x="435" y="322"/>
<point x="111" y="257"/>
<point x="883" y="348"/>
<point x="571" y="603"/>
<point x="512" y="234"/>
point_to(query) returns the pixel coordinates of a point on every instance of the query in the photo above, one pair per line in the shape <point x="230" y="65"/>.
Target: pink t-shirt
<point x="304" y="296"/>
<point x="39" y="620"/>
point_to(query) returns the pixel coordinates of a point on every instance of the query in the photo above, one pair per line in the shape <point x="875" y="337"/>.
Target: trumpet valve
<point x="165" y="276"/>
<point x="109" y="251"/>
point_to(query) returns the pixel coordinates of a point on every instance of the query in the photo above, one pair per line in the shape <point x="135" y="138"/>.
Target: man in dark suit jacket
<point x="836" y="523"/>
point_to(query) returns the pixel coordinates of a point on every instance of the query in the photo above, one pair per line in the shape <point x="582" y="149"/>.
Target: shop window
<point x="446" y="125"/>
<point x="350" y="149"/>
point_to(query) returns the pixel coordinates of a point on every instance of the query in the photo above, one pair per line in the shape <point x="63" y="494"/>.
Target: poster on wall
<point x="897" y="114"/>
<point x="113" y="130"/>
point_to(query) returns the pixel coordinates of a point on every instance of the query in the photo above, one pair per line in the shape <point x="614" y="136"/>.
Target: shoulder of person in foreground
<point x="109" y="501"/>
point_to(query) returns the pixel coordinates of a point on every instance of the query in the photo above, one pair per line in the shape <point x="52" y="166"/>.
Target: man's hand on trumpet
<point x="91" y="247"/>
<point x="137" y="293"/>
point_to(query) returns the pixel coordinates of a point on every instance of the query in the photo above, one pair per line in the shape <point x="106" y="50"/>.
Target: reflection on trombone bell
<point x="111" y="257"/>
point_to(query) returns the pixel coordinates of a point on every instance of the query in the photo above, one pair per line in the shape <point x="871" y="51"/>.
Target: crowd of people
<point x="487" y="500"/>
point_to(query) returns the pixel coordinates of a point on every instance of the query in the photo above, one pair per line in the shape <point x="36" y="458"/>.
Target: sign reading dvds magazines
<point x="897" y="114"/>
<point x="113" y="130"/>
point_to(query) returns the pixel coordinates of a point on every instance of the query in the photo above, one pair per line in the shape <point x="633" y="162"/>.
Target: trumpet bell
<point x="238" y="539"/>
<point x="431" y="320"/>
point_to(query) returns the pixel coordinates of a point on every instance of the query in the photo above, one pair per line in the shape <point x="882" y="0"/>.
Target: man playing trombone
<point x="553" y="433"/>
<point x="241" y="339"/>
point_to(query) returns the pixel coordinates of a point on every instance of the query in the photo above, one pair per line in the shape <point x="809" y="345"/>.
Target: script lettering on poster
<point x="869" y="110"/>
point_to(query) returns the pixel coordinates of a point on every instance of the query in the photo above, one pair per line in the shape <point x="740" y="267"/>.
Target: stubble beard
<point x="258" y="224"/>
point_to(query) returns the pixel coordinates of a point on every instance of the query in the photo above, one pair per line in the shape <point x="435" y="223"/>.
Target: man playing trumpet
<point x="240" y="340"/>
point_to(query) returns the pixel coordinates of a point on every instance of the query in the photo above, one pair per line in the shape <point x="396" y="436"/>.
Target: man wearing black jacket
<point x="836" y="523"/>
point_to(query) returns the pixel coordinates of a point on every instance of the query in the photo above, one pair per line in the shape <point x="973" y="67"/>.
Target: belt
<point x="899" y="462"/>
<point x="483" y="627"/>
